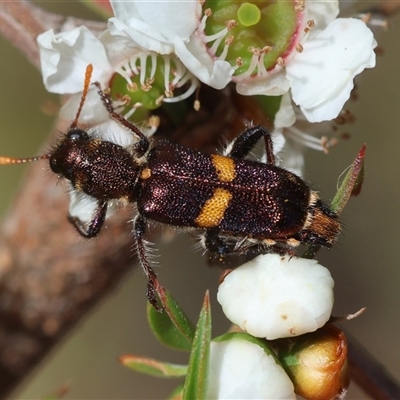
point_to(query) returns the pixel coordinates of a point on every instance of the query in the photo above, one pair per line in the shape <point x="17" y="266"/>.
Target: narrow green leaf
<point x="196" y="382"/>
<point x="171" y="327"/>
<point x="153" y="367"/>
<point x="351" y="184"/>
<point x="177" y="393"/>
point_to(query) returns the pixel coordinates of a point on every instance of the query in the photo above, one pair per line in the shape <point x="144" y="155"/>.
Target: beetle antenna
<point x="13" y="160"/>
<point x="88" y="76"/>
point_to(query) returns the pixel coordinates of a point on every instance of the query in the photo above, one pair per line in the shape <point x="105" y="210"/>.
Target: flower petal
<point x="155" y="25"/>
<point x="275" y="297"/>
<point x="165" y="18"/>
<point x="82" y="206"/>
<point x="113" y="132"/>
<point x="120" y="48"/>
<point x="93" y="111"/>
<point x="240" y="369"/>
<point x="274" y="84"/>
<point x="142" y="35"/>
<point x="215" y="73"/>
<point x="322" y="12"/>
<point x="65" y="56"/>
<point x="322" y="75"/>
<point x="285" y="116"/>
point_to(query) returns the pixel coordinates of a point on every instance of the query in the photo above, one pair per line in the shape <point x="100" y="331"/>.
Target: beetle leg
<point x="139" y="228"/>
<point x="216" y="245"/>
<point x="95" y="224"/>
<point x="219" y="246"/>
<point x="243" y="144"/>
<point x="143" y="144"/>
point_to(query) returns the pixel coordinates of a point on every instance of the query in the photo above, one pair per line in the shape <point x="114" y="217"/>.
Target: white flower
<point x="318" y="64"/>
<point x="298" y="134"/>
<point x="240" y="369"/>
<point x="170" y="27"/>
<point x="287" y="154"/>
<point x="321" y="77"/>
<point x="65" y="56"/>
<point x="275" y="297"/>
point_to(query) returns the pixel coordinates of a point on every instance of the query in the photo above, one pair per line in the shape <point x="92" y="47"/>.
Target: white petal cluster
<point x="171" y="27"/>
<point x="319" y="78"/>
<point x="65" y="56"/>
<point x="277" y="296"/>
<point x="240" y="369"/>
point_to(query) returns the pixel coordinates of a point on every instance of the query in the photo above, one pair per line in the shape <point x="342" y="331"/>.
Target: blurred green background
<point x="365" y="263"/>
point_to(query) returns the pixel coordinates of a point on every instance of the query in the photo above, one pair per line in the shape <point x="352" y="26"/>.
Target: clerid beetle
<point x="235" y="203"/>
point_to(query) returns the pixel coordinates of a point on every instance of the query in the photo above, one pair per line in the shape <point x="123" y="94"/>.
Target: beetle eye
<point x="77" y="134"/>
<point x="55" y="167"/>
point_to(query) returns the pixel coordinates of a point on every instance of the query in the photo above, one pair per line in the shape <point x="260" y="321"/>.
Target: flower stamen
<point x="132" y="110"/>
<point x="300" y="5"/>
<point x="257" y="61"/>
<point x="231" y="24"/>
<point x="152" y="79"/>
<point x="321" y="144"/>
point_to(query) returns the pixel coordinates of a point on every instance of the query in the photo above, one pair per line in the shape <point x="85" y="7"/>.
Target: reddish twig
<point x="21" y="22"/>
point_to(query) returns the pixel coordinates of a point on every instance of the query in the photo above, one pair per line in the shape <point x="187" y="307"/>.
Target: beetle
<point x="235" y="203"/>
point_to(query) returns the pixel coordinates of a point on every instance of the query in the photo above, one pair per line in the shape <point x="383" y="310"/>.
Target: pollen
<point x="214" y="209"/>
<point x="299" y="48"/>
<point x="231" y="24"/>
<point x="208" y="12"/>
<point x="280" y="61"/>
<point x="197" y="105"/>
<point x="310" y="24"/>
<point x="147" y="86"/>
<point x="132" y="87"/>
<point x="300" y="5"/>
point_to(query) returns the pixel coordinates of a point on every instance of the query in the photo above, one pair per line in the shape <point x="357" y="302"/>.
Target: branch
<point x="49" y="277"/>
<point x="371" y="376"/>
<point x="21" y="22"/>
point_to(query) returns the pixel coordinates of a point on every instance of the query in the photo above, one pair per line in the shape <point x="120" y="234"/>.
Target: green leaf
<point x="171" y="327"/>
<point x="196" y="382"/>
<point x="176" y="394"/>
<point x="153" y="367"/>
<point x="351" y="184"/>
